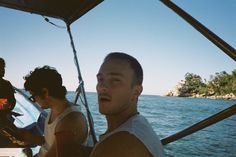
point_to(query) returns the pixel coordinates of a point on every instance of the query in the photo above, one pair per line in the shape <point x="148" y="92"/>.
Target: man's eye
<point x="99" y="79"/>
<point x="115" y="80"/>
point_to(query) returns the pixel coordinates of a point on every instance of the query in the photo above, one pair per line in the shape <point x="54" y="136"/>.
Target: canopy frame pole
<point x="202" y="124"/>
<point x="81" y="86"/>
<point x="225" y="47"/>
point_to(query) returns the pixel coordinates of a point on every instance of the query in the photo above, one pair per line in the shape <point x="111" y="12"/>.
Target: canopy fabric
<point x="67" y="10"/>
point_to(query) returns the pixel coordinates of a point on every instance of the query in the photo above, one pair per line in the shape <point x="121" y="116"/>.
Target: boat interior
<point x="70" y="11"/>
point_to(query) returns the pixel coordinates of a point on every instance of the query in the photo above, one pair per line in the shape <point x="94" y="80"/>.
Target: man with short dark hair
<point x="129" y="134"/>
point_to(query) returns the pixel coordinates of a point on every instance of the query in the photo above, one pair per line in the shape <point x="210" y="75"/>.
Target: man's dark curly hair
<point x="45" y="77"/>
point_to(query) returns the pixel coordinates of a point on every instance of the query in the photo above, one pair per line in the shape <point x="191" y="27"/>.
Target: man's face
<point x="114" y="87"/>
<point x="39" y="99"/>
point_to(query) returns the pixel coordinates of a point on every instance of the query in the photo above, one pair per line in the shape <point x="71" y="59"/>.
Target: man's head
<point x="2" y="67"/>
<point x="43" y="82"/>
<point x="119" y="84"/>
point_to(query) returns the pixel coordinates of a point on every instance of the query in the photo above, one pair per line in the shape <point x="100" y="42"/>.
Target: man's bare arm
<point x="30" y="138"/>
<point x="121" y="144"/>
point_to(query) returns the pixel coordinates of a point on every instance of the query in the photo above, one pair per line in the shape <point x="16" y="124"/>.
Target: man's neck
<point x="115" y="121"/>
<point x="57" y="107"/>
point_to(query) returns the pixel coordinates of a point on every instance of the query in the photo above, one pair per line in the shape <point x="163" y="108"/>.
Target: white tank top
<point x="140" y="128"/>
<point x="49" y="129"/>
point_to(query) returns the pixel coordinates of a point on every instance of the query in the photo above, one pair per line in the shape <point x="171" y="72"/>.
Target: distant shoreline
<point x="224" y="97"/>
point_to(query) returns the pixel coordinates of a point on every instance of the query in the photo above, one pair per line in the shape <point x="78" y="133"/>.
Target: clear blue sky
<point x="166" y="46"/>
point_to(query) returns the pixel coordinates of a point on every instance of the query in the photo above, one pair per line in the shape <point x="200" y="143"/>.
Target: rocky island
<point x="220" y="86"/>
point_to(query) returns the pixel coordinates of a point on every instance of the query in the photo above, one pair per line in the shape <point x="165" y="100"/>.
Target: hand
<point x="3" y="104"/>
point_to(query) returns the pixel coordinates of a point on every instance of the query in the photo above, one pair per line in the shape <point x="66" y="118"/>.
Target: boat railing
<point x="201" y="125"/>
<point x="225" y="47"/>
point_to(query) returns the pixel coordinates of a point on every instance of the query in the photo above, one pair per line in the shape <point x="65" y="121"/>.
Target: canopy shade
<point x="67" y="10"/>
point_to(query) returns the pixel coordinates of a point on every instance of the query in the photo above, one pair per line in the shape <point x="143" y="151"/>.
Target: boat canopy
<point x="68" y="11"/>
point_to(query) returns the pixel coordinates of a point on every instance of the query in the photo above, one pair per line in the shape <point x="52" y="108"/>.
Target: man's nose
<point x="102" y="86"/>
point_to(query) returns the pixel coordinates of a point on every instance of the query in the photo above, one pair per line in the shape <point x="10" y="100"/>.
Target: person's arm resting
<point x="30" y="138"/>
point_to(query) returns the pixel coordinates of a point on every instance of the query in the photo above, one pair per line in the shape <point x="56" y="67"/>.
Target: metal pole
<point x="225" y="47"/>
<point x="90" y="120"/>
<point x="202" y="124"/>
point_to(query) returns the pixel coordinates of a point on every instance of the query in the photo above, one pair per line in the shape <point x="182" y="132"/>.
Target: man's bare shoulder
<point x="74" y="122"/>
<point x="121" y="144"/>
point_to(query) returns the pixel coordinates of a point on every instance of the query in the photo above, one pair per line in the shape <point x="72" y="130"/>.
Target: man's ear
<point x="138" y="90"/>
<point x="45" y="92"/>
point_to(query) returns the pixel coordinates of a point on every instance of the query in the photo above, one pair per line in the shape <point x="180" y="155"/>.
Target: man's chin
<point x="103" y="112"/>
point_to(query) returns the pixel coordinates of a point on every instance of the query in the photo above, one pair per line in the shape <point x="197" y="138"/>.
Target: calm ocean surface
<point x="168" y="115"/>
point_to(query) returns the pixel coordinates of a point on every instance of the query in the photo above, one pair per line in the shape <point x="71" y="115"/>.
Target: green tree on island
<point x="192" y="85"/>
<point x="219" y="84"/>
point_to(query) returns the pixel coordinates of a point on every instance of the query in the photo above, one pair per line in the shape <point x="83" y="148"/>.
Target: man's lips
<point x="104" y="98"/>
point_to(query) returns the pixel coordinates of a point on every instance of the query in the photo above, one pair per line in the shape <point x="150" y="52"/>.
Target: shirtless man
<point x="7" y="98"/>
<point x="7" y="103"/>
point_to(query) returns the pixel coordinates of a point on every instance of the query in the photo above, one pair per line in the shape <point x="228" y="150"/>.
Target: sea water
<point x="169" y="115"/>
